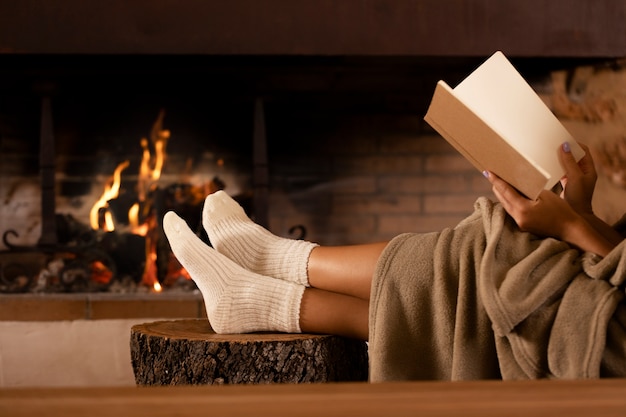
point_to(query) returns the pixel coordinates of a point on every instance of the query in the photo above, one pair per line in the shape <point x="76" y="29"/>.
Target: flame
<point x="133" y="216"/>
<point x="149" y="276"/>
<point x="152" y="165"/>
<point x="149" y="175"/>
<point x="159" y="150"/>
<point x="100" y="272"/>
<point x="111" y="190"/>
<point x="141" y="217"/>
<point x="109" y="224"/>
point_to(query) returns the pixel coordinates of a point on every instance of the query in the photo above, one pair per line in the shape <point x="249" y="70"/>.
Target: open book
<point x="497" y="121"/>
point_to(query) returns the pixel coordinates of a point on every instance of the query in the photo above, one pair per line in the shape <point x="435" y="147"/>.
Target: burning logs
<point x="82" y="260"/>
<point x="188" y="352"/>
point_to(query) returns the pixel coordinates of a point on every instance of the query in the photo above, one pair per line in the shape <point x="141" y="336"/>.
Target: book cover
<point x="497" y="121"/>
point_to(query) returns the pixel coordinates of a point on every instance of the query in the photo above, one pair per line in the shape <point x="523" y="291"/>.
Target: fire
<point x="100" y="272"/>
<point x="141" y="216"/>
<point x="149" y="175"/>
<point x="133" y="217"/>
<point x="111" y="191"/>
<point x="152" y="164"/>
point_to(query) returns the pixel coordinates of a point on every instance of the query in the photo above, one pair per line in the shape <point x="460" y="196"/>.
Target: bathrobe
<point x="484" y="300"/>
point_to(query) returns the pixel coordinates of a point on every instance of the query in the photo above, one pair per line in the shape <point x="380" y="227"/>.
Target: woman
<point x="530" y="294"/>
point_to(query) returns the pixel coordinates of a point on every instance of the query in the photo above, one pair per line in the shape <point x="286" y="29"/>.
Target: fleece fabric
<point x="484" y="300"/>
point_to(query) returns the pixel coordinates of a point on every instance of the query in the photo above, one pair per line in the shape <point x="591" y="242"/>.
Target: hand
<point x="552" y="216"/>
<point x="549" y="215"/>
<point x="578" y="185"/>
<point x="579" y="180"/>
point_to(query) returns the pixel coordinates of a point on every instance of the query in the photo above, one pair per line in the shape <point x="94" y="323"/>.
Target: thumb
<point x="568" y="161"/>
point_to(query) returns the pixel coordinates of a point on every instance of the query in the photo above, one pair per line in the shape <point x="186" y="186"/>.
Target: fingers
<point x="572" y="168"/>
<point x="568" y="161"/>
<point x="506" y="194"/>
<point x="586" y="163"/>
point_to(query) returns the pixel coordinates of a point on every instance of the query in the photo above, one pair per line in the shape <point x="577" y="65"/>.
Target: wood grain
<point x="477" y="398"/>
<point x="189" y="352"/>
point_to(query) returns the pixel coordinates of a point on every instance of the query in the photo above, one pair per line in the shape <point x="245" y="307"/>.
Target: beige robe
<point x="484" y="300"/>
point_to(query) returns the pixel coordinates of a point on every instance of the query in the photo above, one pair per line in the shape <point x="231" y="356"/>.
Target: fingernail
<point x="486" y="174"/>
<point x="566" y="147"/>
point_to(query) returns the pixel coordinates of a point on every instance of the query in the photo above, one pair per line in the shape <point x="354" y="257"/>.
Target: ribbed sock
<point x="233" y="234"/>
<point x="236" y="300"/>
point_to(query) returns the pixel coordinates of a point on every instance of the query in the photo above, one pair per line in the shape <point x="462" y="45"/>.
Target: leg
<point x="239" y="301"/>
<point x="332" y="313"/>
<point x="344" y="269"/>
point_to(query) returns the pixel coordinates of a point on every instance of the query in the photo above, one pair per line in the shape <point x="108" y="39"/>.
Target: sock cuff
<point x="286" y="317"/>
<point x="300" y="252"/>
<point x="267" y="305"/>
<point x="234" y="234"/>
<point x="278" y="303"/>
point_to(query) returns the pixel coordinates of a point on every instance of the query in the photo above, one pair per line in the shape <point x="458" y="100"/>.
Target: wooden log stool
<point x="189" y="352"/>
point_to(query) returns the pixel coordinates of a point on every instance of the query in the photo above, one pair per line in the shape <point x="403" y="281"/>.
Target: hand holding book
<point x="496" y="120"/>
<point x="570" y="218"/>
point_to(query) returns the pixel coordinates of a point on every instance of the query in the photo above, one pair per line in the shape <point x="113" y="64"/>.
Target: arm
<point x="550" y="216"/>
<point x="569" y="218"/>
<point x="578" y="186"/>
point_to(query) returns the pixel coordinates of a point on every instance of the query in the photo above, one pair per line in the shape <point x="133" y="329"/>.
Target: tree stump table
<point x="189" y="352"/>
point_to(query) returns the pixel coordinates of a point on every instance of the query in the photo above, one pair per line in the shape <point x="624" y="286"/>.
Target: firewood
<point x="189" y="352"/>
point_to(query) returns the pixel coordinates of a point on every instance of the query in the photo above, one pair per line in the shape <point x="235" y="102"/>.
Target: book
<point x="498" y="122"/>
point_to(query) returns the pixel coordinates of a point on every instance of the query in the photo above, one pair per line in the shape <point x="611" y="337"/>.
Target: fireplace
<point x="318" y="148"/>
<point x="310" y="113"/>
<point x="239" y="100"/>
<point x="72" y="128"/>
<point x="89" y="164"/>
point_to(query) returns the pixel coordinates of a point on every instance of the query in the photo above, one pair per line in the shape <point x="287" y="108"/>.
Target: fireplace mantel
<point x="532" y="28"/>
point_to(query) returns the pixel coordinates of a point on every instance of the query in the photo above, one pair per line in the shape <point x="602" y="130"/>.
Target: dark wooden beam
<point x="260" y="168"/>
<point x="47" y="173"/>
<point x="529" y="28"/>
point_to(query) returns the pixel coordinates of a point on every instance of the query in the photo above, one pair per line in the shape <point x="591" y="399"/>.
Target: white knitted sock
<point x="236" y="300"/>
<point x="233" y="234"/>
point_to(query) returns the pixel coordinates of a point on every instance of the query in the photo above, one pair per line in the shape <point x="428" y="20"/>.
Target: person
<point x="497" y="296"/>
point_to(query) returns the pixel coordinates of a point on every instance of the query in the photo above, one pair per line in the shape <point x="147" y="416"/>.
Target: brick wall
<point x="353" y="175"/>
<point x="368" y="180"/>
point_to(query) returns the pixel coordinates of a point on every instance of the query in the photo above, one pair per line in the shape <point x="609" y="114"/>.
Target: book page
<point x="480" y="144"/>
<point x="500" y="96"/>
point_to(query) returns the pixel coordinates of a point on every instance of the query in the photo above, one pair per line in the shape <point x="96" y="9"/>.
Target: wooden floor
<point x="481" y="398"/>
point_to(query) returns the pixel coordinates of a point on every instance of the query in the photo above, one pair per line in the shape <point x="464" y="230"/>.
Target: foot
<point x="233" y="234"/>
<point x="237" y="300"/>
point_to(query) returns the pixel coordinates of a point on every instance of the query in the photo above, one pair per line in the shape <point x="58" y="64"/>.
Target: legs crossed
<point x="258" y="281"/>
